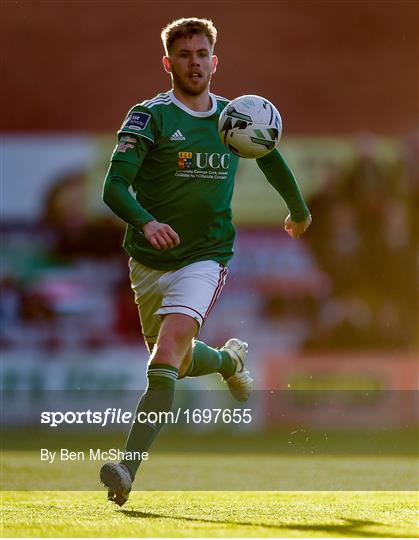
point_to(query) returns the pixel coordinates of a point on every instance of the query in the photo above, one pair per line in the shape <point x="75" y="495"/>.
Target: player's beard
<point x="189" y="87"/>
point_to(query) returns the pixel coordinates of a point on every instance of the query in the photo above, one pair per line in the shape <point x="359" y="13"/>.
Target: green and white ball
<point x="250" y="126"/>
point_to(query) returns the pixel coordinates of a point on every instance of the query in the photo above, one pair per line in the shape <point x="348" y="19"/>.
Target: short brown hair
<point x="187" y="28"/>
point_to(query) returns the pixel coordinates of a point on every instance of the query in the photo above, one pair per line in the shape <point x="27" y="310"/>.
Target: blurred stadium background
<point x="335" y="310"/>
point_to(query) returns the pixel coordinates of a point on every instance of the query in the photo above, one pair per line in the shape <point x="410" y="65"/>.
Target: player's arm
<point x="125" y="164"/>
<point x="116" y="194"/>
<point x="280" y="176"/>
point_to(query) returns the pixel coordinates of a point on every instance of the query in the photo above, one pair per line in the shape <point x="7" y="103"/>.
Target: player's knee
<point x="172" y="351"/>
<point x="175" y="340"/>
<point x="166" y="352"/>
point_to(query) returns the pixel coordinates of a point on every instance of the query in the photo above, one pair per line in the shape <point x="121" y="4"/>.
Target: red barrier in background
<point x="331" y="66"/>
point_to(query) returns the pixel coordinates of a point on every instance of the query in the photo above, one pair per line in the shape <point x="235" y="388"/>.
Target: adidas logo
<point x="177" y="136"/>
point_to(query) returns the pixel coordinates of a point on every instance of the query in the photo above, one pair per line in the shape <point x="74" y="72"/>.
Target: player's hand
<point x="160" y="235"/>
<point x="296" y="228"/>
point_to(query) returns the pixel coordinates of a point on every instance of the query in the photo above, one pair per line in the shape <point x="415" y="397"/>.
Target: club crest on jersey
<point x="185" y="160"/>
<point x="137" y="121"/>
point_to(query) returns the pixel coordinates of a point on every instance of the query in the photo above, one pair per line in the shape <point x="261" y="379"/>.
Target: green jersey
<point x="181" y="174"/>
<point x="185" y="179"/>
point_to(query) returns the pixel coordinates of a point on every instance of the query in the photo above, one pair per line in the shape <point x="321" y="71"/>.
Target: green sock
<point x="206" y="360"/>
<point x="157" y="398"/>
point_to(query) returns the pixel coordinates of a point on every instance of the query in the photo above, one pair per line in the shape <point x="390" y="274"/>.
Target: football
<point x="250" y="126"/>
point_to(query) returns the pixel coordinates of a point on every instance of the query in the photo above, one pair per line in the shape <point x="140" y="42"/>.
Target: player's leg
<point x="148" y="297"/>
<point x="229" y="362"/>
<point x="204" y="360"/>
<point x="191" y="291"/>
<point x="173" y="342"/>
<point x="195" y="289"/>
<point x="175" y="337"/>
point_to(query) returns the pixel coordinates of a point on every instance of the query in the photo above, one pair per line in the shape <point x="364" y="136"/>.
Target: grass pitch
<point x="211" y="514"/>
<point x="21" y="471"/>
<point x="291" y="509"/>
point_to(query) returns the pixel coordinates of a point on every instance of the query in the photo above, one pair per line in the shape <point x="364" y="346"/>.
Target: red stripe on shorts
<point x="183" y="306"/>
<point x="221" y="282"/>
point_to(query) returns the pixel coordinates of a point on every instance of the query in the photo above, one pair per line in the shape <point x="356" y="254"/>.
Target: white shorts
<point x="192" y="290"/>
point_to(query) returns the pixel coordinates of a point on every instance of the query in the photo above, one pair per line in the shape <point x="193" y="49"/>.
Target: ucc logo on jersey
<point x="184" y="160"/>
<point x="203" y="160"/>
<point x="213" y="161"/>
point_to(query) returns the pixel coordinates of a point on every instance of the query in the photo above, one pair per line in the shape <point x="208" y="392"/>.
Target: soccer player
<point x="179" y="229"/>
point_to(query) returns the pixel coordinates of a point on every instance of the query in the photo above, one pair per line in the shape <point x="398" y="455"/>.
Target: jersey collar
<point x="190" y="111"/>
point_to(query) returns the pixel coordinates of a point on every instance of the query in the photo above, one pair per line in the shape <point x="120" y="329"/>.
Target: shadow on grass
<point x="351" y="527"/>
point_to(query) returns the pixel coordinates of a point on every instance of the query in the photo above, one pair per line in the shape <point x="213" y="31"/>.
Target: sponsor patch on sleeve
<point x="128" y="139"/>
<point x="123" y="146"/>
<point x="126" y="142"/>
<point x="137" y="121"/>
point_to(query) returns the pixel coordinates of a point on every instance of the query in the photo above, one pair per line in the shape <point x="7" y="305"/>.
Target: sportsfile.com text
<point x="118" y="416"/>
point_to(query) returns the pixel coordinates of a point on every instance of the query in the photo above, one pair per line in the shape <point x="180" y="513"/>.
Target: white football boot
<point x="240" y="383"/>
<point x="117" y="479"/>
